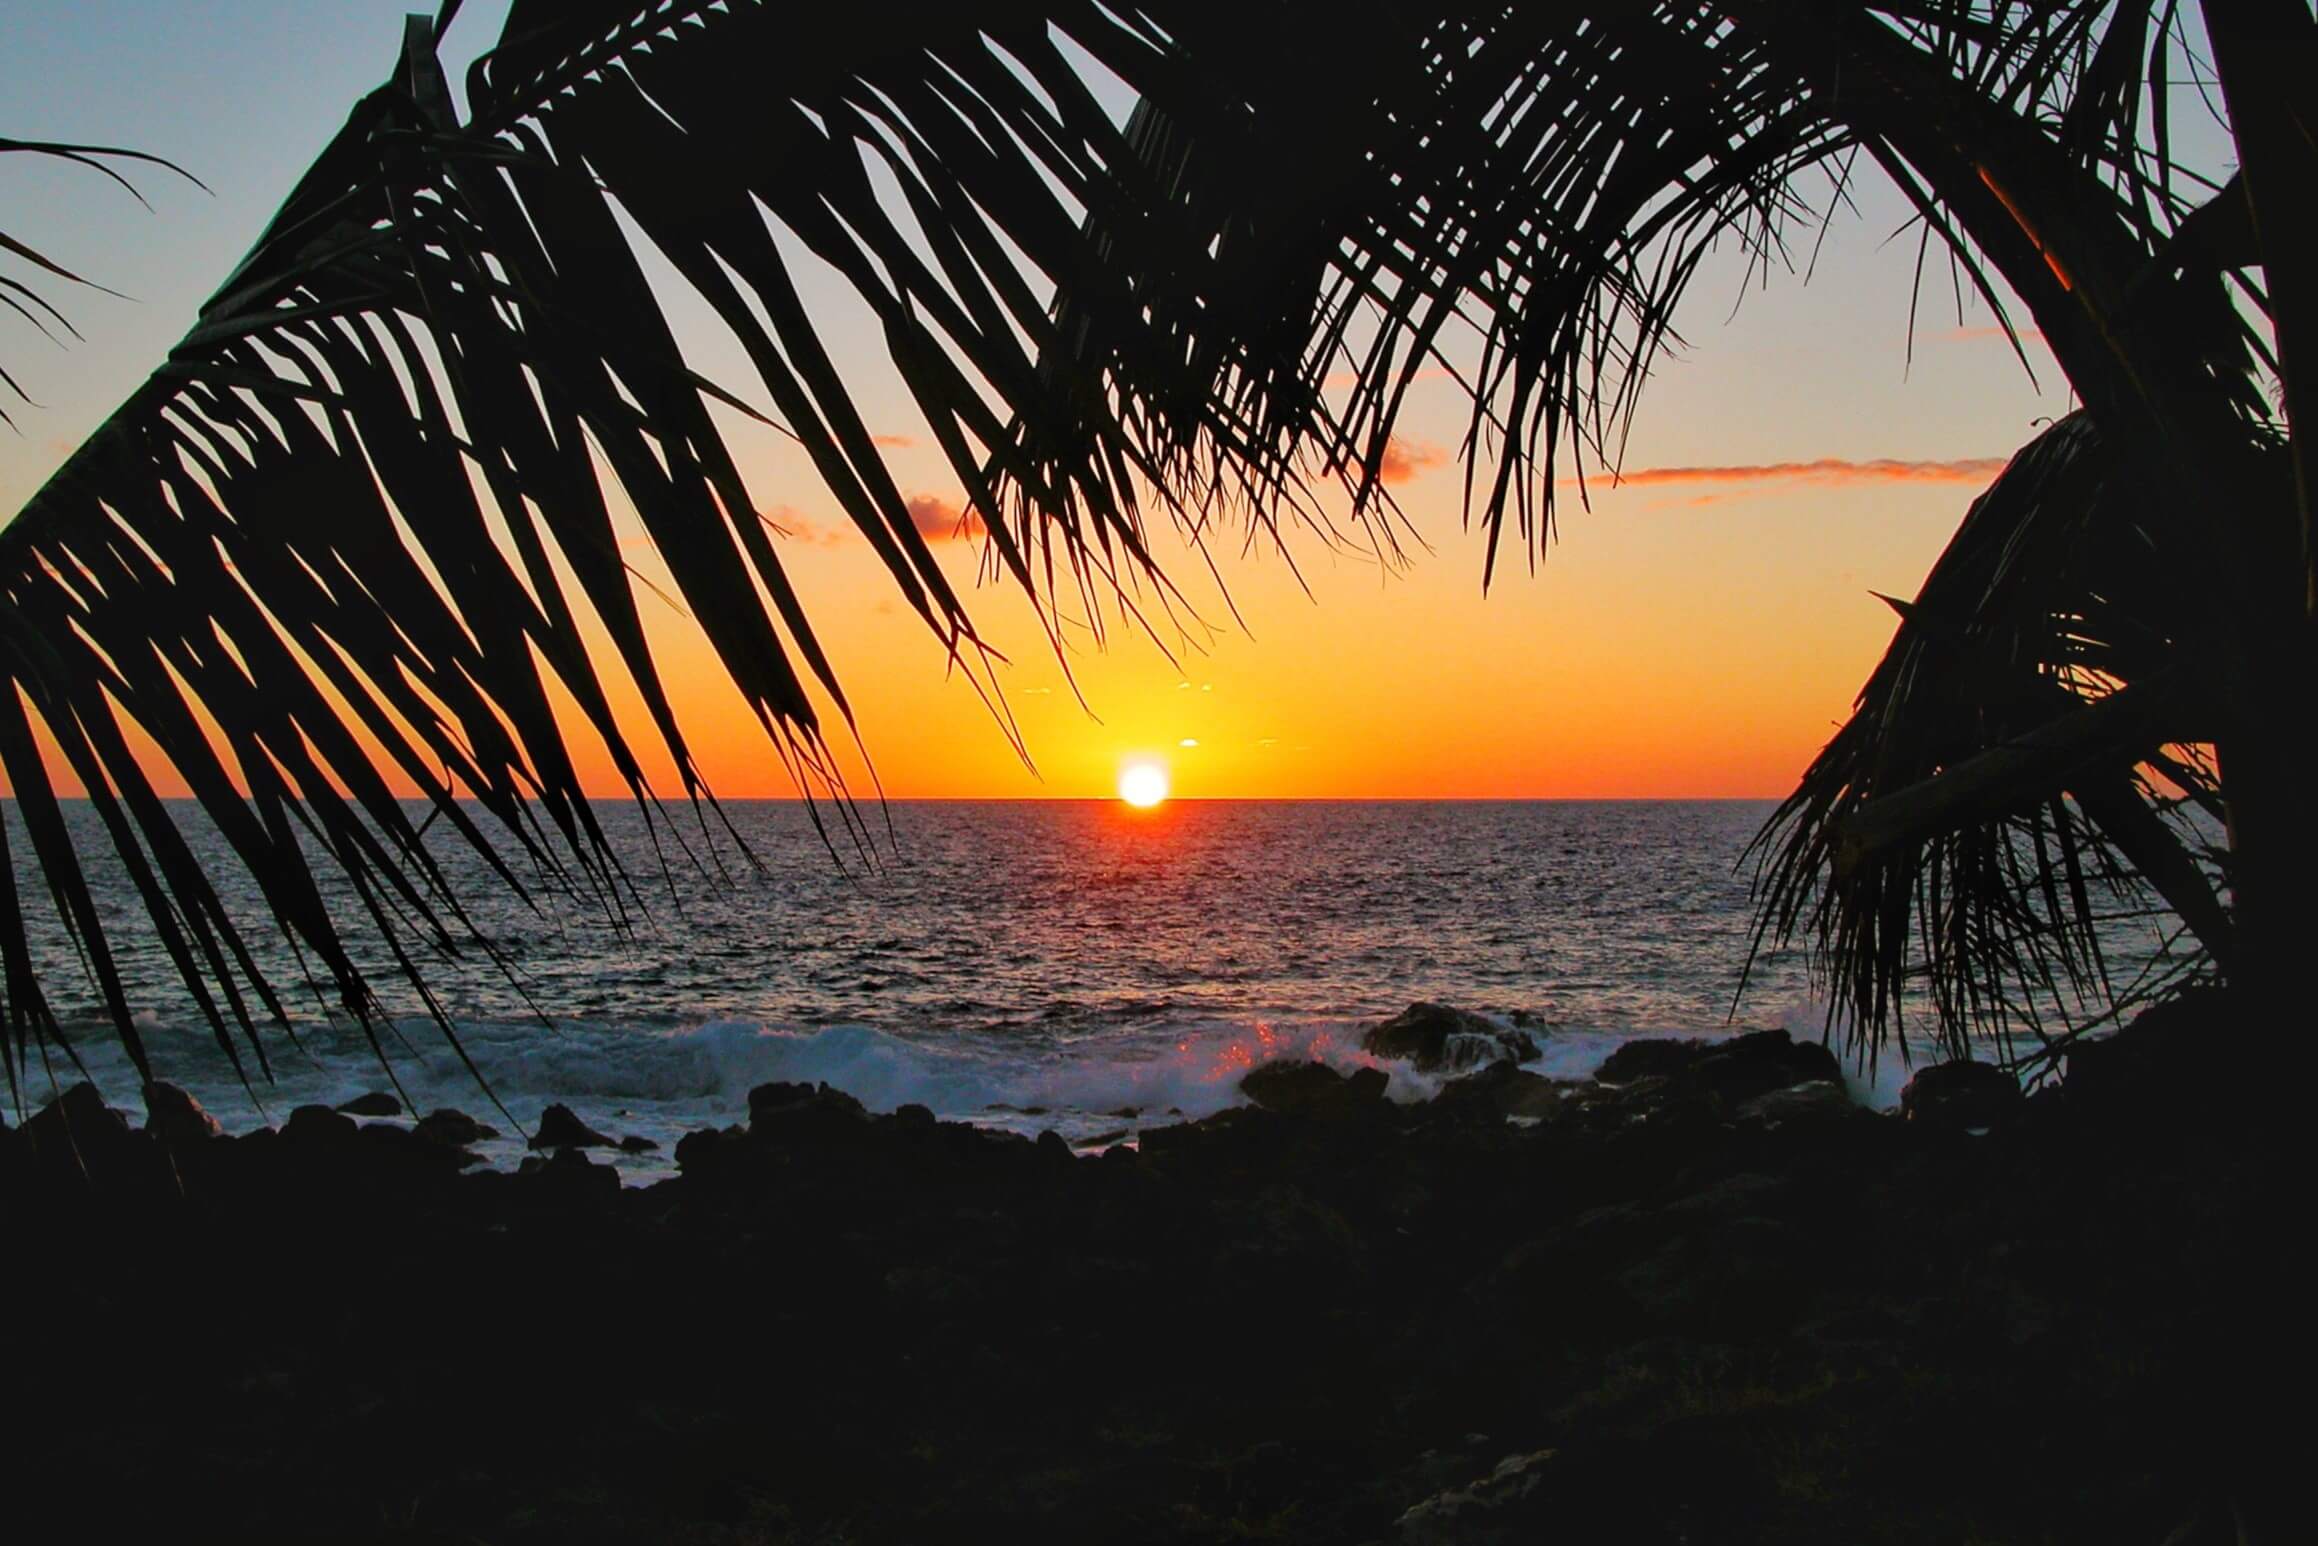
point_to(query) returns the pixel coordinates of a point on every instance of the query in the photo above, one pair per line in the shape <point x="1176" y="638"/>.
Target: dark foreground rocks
<point x="1705" y="1301"/>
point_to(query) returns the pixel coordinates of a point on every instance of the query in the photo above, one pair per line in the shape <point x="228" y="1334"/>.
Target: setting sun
<point x="1143" y="784"/>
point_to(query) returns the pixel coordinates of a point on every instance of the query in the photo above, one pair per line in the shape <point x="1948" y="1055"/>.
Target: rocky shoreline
<point x="1701" y="1297"/>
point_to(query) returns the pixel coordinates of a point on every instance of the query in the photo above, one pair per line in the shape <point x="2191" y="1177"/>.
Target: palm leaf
<point x="1996" y="795"/>
<point x="23" y="297"/>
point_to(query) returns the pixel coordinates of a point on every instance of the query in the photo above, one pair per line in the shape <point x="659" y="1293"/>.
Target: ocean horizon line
<point x="1093" y="799"/>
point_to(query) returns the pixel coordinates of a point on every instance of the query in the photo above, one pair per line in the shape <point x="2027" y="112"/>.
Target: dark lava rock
<point x="914" y="1116"/>
<point x="1744" y="1192"/>
<point x="637" y="1143"/>
<point x="1433" y="1038"/>
<point x="452" y="1127"/>
<point x="174" y="1115"/>
<point x="569" y="1176"/>
<point x="416" y="1156"/>
<point x="709" y="1152"/>
<point x="1500" y="1090"/>
<point x="778" y="1096"/>
<point x="2162" y="1061"/>
<point x="805" y="1114"/>
<point x="1729" y="1334"/>
<point x="375" y="1103"/>
<point x="318" y="1125"/>
<point x="1961" y="1094"/>
<point x="1313" y="1089"/>
<point x="1493" y="1509"/>
<point x="1820" y="1100"/>
<point x="78" y="1131"/>
<point x="1710" y="1075"/>
<point x="1652" y="1058"/>
<point x="1762" y="1061"/>
<point x="561" y="1128"/>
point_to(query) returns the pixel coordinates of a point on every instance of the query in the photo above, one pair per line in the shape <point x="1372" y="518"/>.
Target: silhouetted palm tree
<point x="285" y="549"/>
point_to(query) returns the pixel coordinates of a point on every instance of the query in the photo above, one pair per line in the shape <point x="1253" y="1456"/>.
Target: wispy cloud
<point x="802" y="528"/>
<point x="939" y="520"/>
<point x="1826" y="472"/>
<point x="1338" y="380"/>
<point x="1405" y="459"/>
<point x="1965" y="335"/>
<point x="896" y="442"/>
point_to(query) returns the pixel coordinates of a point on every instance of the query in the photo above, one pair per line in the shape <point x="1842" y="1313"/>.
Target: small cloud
<point x="799" y="528"/>
<point x="1037" y="692"/>
<point x="1963" y="335"/>
<point x="1405" y="459"/>
<point x="938" y="520"/>
<point x="1340" y="380"/>
<point x="895" y="442"/>
<point x="1207" y="686"/>
<point x="1183" y="687"/>
<point x="1187" y="741"/>
<point x="1269" y="740"/>
<point x="1826" y="472"/>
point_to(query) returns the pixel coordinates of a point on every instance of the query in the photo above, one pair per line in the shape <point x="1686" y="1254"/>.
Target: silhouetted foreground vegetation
<point x="1703" y="1298"/>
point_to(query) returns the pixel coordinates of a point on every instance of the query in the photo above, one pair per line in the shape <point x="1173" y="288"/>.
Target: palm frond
<point x="24" y="297"/>
<point x="1996" y="792"/>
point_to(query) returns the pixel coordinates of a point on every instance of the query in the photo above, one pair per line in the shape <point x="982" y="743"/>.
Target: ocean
<point x="1074" y="965"/>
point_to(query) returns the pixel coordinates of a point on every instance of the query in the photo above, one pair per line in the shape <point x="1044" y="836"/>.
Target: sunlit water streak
<point x="1048" y="964"/>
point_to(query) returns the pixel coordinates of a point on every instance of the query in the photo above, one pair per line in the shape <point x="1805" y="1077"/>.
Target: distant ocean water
<point x="1024" y="964"/>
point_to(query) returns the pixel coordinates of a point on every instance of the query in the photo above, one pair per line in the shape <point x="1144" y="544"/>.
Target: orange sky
<point x="1676" y="642"/>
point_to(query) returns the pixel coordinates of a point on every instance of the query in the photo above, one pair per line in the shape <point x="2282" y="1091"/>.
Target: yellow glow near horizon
<point x="1142" y="784"/>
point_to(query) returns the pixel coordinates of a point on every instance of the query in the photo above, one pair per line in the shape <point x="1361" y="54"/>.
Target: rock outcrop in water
<point x="561" y="1128"/>
<point x="1705" y="1300"/>
<point x="1434" y="1038"/>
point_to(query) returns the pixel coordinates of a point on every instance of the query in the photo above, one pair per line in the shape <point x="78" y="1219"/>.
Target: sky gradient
<point x="1698" y="631"/>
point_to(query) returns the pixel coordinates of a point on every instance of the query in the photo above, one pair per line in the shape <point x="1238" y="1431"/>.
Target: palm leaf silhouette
<point x="24" y="296"/>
